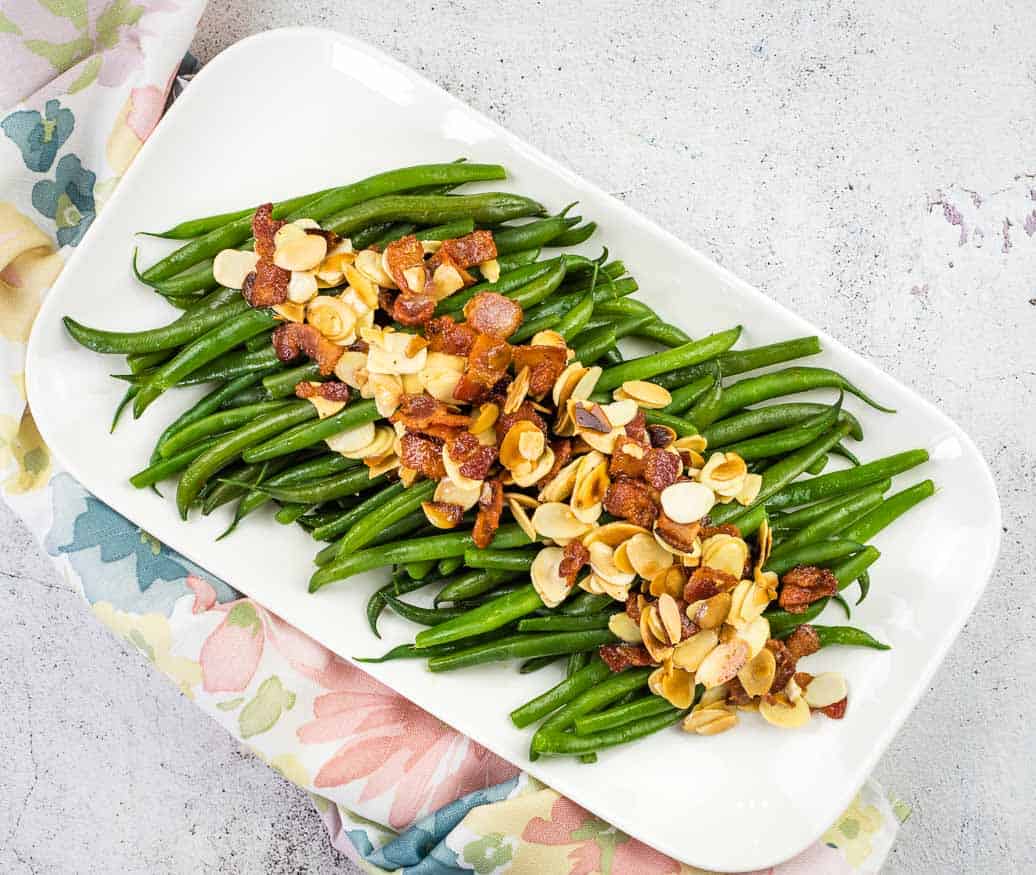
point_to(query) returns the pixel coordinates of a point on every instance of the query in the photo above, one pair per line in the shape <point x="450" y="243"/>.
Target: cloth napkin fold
<point x="86" y="82"/>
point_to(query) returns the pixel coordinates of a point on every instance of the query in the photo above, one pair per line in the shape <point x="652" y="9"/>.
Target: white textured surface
<point x="869" y="167"/>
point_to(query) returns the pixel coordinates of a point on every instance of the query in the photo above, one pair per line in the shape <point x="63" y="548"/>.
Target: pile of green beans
<point x="249" y="442"/>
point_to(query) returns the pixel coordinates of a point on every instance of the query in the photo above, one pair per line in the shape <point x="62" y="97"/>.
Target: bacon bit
<point x="661" y="468"/>
<point x="524" y="412"/>
<point x="490" y="506"/>
<point x="705" y="582"/>
<point x="421" y="412"/>
<point x="268" y="284"/>
<point x="592" y="417"/>
<point x="488" y="361"/>
<point x="632" y="500"/>
<point x="804" y="641"/>
<point x="785" y="664"/>
<point x="423" y="454"/>
<point x="264" y="226"/>
<point x="545" y="365"/>
<point x="836" y="711"/>
<point x="679" y="535"/>
<point x="627" y="459"/>
<point x="293" y="338"/>
<point x="619" y="657"/>
<point x="466" y="251"/>
<point x="636" y="429"/>
<point x="401" y="255"/>
<point x="803" y="585"/>
<point x="687" y="626"/>
<point x="736" y="694"/>
<point x="633" y="607"/>
<point x="330" y="236"/>
<point x="446" y="335"/>
<point x="658" y="436"/>
<point x="359" y="346"/>
<point x="493" y="314"/>
<point x="443" y="514"/>
<point x="410" y="309"/>
<point x="573" y="557"/>
<point x="473" y="459"/>
<point x="708" y="531"/>
<point x="332" y="390"/>
<point x="562" y="448"/>
<point x="803" y="678"/>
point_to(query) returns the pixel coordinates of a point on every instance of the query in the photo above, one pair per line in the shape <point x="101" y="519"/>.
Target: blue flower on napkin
<point x="68" y="200"/>
<point x="39" y="136"/>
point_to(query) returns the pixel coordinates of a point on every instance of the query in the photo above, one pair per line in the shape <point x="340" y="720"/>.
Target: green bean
<point x="231" y="446"/>
<point x="560" y="694"/>
<point x="568" y="744"/>
<point x="435" y="547"/>
<point x="864" y="580"/>
<point x="739" y="361"/>
<point x="790" y="520"/>
<point x="260" y="341"/>
<point x="647" y="706"/>
<point x="422" y="616"/>
<point x="783" y="623"/>
<point x="400" y="584"/>
<point x="420" y="570"/>
<point x="589" y="346"/>
<point x="749" y="522"/>
<point x="549" y="313"/>
<point x="200" y="351"/>
<point x="349" y="482"/>
<point x="575" y="236"/>
<point x="531" y="234"/>
<point x="214" y="423"/>
<point x="646" y="367"/>
<point x="127" y="396"/>
<point x="225" y="492"/>
<point x="364" y="509"/>
<point x="473" y="583"/>
<point x="508" y="282"/>
<point x="777" y="443"/>
<point x="681" y="426"/>
<point x="561" y="623"/>
<point x="536" y="663"/>
<point x="492" y="615"/>
<point x="572" y="322"/>
<point x="408" y="525"/>
<point x="408" y="651"/>
<point x="540" y="288"/>
<point x="847" y="636"/>
<point x="366" y="527"/>
<point x="843" y="451"/>
<point x="446" y="567"/>
<point x="766" y="419"/>
<point x="612" y="357"/>
<point x="867" y="526"/>
<point x="234" y="364"/>
<point x="216" y="298"/>
<point x="158" y="471"/>
<point x="819" y="464"/>
<point x="780" y="474"/>
<point x="370" y="235"/>
<point x="663" y="332"/>
<point x="282" y="384"/>
<point x="814" y="554"/>
<point x="686" y="395"/>
<point x="514" y="260"/>
<point x="500" y="560"/>
<point x="144" y="361"/>
<point x="584" y="603"/>
<point x="339" y="199"/>
<point x="310" y="433"/>
<point x="597" y="697"/>
<point x="838" y="482"/>
<point x="577" y="662"/>
<point x="604" y="288"/>
<point x="518" y="647"/>
<point x="291" y="513"/>
<point x="831" y="523"/>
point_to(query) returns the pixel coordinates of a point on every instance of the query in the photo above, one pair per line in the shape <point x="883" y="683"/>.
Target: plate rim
<point x="939" y="647"/>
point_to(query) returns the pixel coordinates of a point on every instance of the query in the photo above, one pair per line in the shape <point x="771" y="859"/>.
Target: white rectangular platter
<point x="297" y="110"/>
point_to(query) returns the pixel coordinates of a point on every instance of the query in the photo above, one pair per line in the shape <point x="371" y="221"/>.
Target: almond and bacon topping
<point x="447" y="335"/>
<point x="472" y="458"/>
<point x="421" y="412"/>
<point x="332" y="390"/>
<point x="292" y="339"/>
<point x="422" y="454"/>
<point x="488" y="361"/>
<point x="545" y="364"/>
<point x="467" y="251"/>
<point x="492" y="314"/>
<point x="805" y="584"/>
<point x="490" y="507"/>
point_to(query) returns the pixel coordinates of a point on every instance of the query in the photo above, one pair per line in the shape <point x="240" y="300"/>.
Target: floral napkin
<point x="84" y="84"/>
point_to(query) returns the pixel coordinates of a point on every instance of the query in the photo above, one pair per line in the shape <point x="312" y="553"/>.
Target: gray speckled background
<point x="868" y="164"/>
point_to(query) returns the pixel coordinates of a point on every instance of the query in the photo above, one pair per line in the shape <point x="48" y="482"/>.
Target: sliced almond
<point x="438" y="516"/>
<point x="671" y="580"/>
<point x="724" y="552"/>
<point x="712" y="719"/>
<point x="710" y="613"/>
<point x="331" y="316"/>
<point x="490" y="270"/>
<point x="348" y="368"/>
<point x="531" y="444"/>
<point x="290" y="311"/>
<point x="586" y="384"/>
<point x="613" y="534"/>
<point x="416" y="278"/>
<point x="687" y="502"/>
<point x="546" y="577"/>
<point x="623" y="628"/>
<point x="724" y="474"/>
<point x="445" y="281"/>
<point x="549" y="338"/>
<point x="484" y="417"/>
<point x="531" y="473"/>
<point x="324" y="406"/>
<point x="723" y="663"/>
<point x="603" y="564"/>
<point x="673" y="684"/>
<point x="826" y="689"/>
<point x="352" y="439"/>
<point x="517" y="391"/>
<point x="302" y="287"/>
<point x="757" y="674"/>
<point x="749" y="489"/>
<point x="567" y="380"/>
<point x="231" y="266"/>
<point x="396" y="354"/>
<point x="379" y="448"/>
<point x="669" y="613"/>
<point x="304" y="252"/>
<point x="653" y="635"/>
<point x="644" y="394"/>
<point x="592" y="483"/>
<point x="449" y="492"/>
<point x="361" y="284"/>
<point x="621" y="413"/>
<point x="453" y="472"/>
<point x="556" y="521"/>
<point x="690" y="653"/>
<point x="764" y="544"/>
<point x="561" y="486"/>
<point x="368" y="262"/>
<point x="387" y="392"/>
<point x="778" y="711"/>
<point x="646" y="556"/>
<point x="510" y="452"/>
<point x="521" y="516"/>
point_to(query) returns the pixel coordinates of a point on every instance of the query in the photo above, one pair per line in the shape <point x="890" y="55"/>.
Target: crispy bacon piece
<point x="687" y="626"/>
<point x="631" y="500"/>
<point x="705" y="582"/>
<point x="267" y="284"/>
<point x="679" y="535"/>
<point x="466" y="251"/>
<point x="573" y="558"/>
<point x="473" y="458"/>
<point x="619" y="657"/>
<point x="524" y="412"/>
<point x="264" y="226"/>
<point x="804" y="641"/>
<point x="292" y="338"/>
<point x="636" y="429"/>
<point x="627" y="459"/>
<point x="659" y="436"/>
<point x="708" y="531"/>
<point x="661" y="468"/>
<point x="562" y="448"/>
<point x="332" y="390"/>
<point x="410" y="309"/>
<point x="490" y="506"/>
<point x="421" y="412"/>
<point x="423" y="454"/>
<point x="446" y="335"/>
<point x="400" y="256"/>
<point x="803" y="585"/>
<point x="545" y="364"/>
<point x="785" y="664"/>
<point x="736" y="694"/>
<point x="493" y="314"/>
<point x="836" y="711"/>
<point x="488" y="361"/>
<point x="633" y="607"/>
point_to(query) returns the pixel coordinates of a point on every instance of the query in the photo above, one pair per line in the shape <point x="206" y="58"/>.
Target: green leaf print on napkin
<point x="270" y="701"/>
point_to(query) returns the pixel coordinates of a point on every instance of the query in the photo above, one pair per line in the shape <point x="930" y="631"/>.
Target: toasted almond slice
<point x="290" y="312"/>
<point x="379" y="448"/>
<point x="521" y="516"/>
<point x="331" y="316"/>
<point x="430" y="247"/>
<point x="387" y="392"/>
<point x="348" y="367"/>
<point x="677" y="686"/>
<point x="620" y="413"/>
<point x="485" y="416"/>
<point x="437" y="515"/>
<point x="826" y="689"/>
<point x="556" y="521"/>
<point x="561" y="486"/>
<point x="395" y="354"/>
<point x="653" y="635"/>
<point x="304" y="252"/>
<point x="749" y="489"/>
<point x="510" y="454"/>
<point x="416" y="278"/>
<point x="448" y="491"/>
<point x="603" y="565"/>
<point x="453" y="472"/>
<point x="691" y="652"/>
<point x="517" y="391"/>
<point x="621" y="560"/>
<point x="363" y="285"/>
<point x="687" y="502"/>
<point x="389" y="463"/>
<point x="646" y="556"/>
<point x="531" y="444"/>
<point x="530" y="473"/>
<point x="712" y="720"/>
<point x="231" y="266"/>
<point x="757" y="674"/>
<point x="548" y="338"/>
<point x="669" y="612"/>
<point x="613" y="534"/>
<point x="324" y="406"/>
<point x="302" y="286"/>
<point x="368" y="262"/>
<point x="288" y="232"/>
<point x="445" y="281"/>
<point x="778" y="711"/>
<point x="352" y="439"/>
<point x="764" y="544"/>
<point x="648" y="395"/>
<point x="710" y="613"/>
<point x="623" y="628"/>
<point x="671" y="580"/>
<point x="586" y="385"/>
<point x="566" y="382"/>
<point x="723" y="663"/>
<point x="490" y="270"/>
<point x="724" y="552"/>
<point x="546" y="577"/>
<point x="755" y="635"/>
<point x="592" y="483"/>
